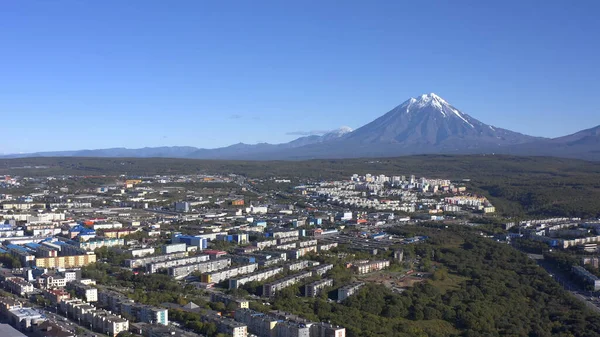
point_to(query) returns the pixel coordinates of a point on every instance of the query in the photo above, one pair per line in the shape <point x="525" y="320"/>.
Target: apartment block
<point x="307" y="243"/>
<point x="292" y="329"/>
<point x="52" y="281"/>
<point x="297" y="253"/>
<point x="281" y="324"/>
<point x="270" y="262"/>
<point x="367" y="267"/>
<point x="271" y="288"/>
<point x="261" y="275"/>
<point x="327" y="330"/>
<point x="71" y="275"/>
<point x="320" y="270"/>
<point x="140" y="252"/>
<point x="265" y="244"/>
<point x="56" y="295"/>
<point x="18" y="285"/>
<point x="84" y="291"/>
<point x="142" y="262"/>
<point x="146" y="313"/>
<point x="156" y="266"/>
<point x="282" y="241"/>
<point x="348" y="290"/>
<point x="149" y="330"/>
<point x="76" y="261"/>
<point x="202" y="267"/>
<point x="240" y="303"/>
<point x="108" y="323"/>
<point x="113" y="300"/>
<point x="314" y="289"/>
<point x="284" y="233"/>
<point x="222" y="275"/>
<point x="226" y="325"/>
<point x="327" y="246"/>
<point x="95" y="243"/>
<point x="100" y="320"/>
<point x="299" y="265"/>
<point x="273" y="254"/>
<point x="174" y="248"/>
<point x="286" y="246"/>
<point x="588" y="277"/>
<point x="257" y="323"/>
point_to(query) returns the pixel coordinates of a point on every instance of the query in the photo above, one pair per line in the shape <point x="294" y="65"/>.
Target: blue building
<point x="197" y="241"/>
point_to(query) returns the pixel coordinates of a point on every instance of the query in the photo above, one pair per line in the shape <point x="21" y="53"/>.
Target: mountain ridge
<point x="426" y="124"/>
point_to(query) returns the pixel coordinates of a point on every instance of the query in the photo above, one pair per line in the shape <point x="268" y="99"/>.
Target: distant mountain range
<point x="423" y="125"/>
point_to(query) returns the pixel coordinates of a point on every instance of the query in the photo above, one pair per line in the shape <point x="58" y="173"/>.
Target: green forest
<point x="486" y="289"/>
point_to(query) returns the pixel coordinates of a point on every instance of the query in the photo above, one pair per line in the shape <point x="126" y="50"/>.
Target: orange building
<point x="237" y="202"/>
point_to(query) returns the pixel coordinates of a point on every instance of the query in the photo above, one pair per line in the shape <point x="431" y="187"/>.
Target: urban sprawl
<point x="229" y="239"/>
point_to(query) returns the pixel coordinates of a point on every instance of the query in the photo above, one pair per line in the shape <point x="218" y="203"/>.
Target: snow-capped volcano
<point x="428" y="123"/>
<point x="433" y="101"/>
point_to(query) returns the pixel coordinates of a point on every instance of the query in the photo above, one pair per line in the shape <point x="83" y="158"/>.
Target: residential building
<point x="179" y="272"/>
<point x="588" y="277"/>
<point x="65" y="261"/>
<point x="113" y="300"/>
<point x="257" y="323"/>
<point x="153" y="267"/>
<point x="260" y="275"/>
<point x="269" y="289"/>
<point x="239" y="303"/>
<point x="370" y="266"/>
<point x="224" y="274"/>
<point x="320" y="270"/>
<point x="348" y="290"/>
<point x="56" y="295"/>
<point x="174" y="248"/>
<point x="105" y="322"/>
<point x="52" y="281"/>
<point x="199" y="241"/>
<point x="84" y="291"/>
<point x="314" y="289"/>
<point x="149" y="330"/>
<point x="19" y="286"/>
<point x="327" y="330"/>
<point x="97" y="242"/>
<point x="143" y="262"/>
<point x="71" y="275"/>
<point x="225" y="325"/>
<point x="50" y="329"/>
<point x="146" y="313"/>
<point x="100" y="320"/>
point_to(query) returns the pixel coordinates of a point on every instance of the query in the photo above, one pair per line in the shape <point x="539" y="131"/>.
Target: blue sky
<point x="97" y="74"/>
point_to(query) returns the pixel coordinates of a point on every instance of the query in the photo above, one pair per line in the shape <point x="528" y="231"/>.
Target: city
<point x="212" y="233"/>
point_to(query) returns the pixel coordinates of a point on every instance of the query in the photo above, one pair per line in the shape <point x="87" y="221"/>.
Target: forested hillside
<point x="483" y="288"/>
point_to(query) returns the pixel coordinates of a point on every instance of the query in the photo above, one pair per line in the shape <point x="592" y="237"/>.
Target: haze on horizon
<point x="83" y="75"/>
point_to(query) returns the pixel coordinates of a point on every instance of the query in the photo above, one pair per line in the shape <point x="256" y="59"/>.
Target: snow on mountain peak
<point x="434" y="101"/>
<point x="343" y="130"/>
<point x="338" y="132"/>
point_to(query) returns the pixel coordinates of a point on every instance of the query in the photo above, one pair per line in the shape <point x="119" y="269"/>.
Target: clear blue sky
<point x="97" y="74"/>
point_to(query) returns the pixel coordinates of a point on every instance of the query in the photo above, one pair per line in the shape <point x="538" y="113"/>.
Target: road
<point x="563" y="279"/>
